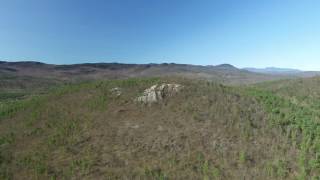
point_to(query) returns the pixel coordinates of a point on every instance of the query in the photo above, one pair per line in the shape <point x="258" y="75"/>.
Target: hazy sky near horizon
<point x="245" y="33"/>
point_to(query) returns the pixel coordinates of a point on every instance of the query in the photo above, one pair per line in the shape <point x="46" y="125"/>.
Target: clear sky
<point x="245" y="33"/>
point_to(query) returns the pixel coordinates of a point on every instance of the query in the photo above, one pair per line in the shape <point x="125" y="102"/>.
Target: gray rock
<point x="116" y="91"/>
<point x="157" y="93"/>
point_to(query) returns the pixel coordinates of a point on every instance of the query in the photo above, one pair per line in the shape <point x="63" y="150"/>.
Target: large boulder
<point x="158" y="92"/>
<point x="116" y="91"/>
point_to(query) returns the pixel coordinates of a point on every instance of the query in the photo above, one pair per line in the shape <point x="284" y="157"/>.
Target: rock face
<point x="116" y="91"/>
<point x="158" y="92"/>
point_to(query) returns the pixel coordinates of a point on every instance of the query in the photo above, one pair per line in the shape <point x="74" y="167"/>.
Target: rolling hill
<point x="174" y="126"/>
<point x="224" y="73"/>
<point x="84" y="131"/>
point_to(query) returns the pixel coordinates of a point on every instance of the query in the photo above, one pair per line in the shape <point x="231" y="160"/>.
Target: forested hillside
<point x="98" y="130"/>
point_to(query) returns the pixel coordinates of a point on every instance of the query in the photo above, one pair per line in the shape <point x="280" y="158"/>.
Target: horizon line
<point x="119" y="62"/>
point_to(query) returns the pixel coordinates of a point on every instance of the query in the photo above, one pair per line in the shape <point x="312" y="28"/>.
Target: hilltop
<point x="18" y="79"/>
<point x="86" y="131"/>
<point x="98" y="129"/>
<point x="113" y="121"/>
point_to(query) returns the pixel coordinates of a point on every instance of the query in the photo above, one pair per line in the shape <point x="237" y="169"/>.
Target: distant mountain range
<point x="274" y="70"/>
<point x="224" y="73"/>
<point x="283" y="71"/>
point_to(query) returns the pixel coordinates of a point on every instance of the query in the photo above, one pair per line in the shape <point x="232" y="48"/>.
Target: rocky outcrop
<point x="116" y="91"/>
<point x="158" y="92"/>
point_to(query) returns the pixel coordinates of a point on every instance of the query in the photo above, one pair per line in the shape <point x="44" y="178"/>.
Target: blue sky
<point x="245" y="33"/>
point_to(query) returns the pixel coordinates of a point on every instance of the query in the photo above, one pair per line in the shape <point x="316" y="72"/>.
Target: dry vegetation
<point x="207" y="131"/>
<point x="52" y="129"/>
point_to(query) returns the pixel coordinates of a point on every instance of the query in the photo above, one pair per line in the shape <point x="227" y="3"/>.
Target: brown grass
<point x="207" y="131"/>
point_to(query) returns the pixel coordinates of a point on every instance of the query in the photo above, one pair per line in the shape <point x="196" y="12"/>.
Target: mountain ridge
<point x="224" y="73"/>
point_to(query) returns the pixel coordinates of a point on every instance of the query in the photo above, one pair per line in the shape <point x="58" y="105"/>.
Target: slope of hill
<point x="54" y="125"/>
<point x="294" y="107"/>
<point x="206" y="131"/>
